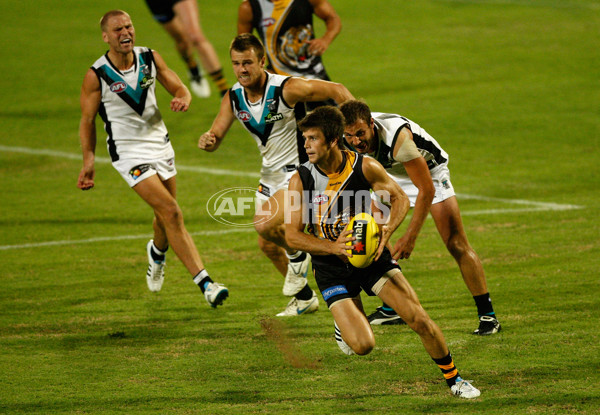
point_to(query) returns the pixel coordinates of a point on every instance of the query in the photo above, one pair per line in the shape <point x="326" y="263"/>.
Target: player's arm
<point x="89" y="100"/>
<point x="294" y="227"/>
<point x="388" y="190"/>
<point x="169" y="79"/>
<point x="304" y="90"/>
<point x="407" y="153"/>
<point x="211" y="140"/>
<point x="245" y="17"/>
<point x="333" y="25"/>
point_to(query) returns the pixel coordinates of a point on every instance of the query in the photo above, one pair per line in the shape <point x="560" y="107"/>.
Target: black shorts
<point x="162" y="10"/>
<point x="337" y="280"/>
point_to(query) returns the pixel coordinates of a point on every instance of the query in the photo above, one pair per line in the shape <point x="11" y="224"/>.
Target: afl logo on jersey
<point x="269" y="21"/>
<point x="243" y="116"/>
<point x="118" y="87"/>
<point x="320" y="199"/>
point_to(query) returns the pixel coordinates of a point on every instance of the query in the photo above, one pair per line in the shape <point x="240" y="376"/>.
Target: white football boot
<point x="199" y="86"/>
<point x="295" y="279"/>
<point x="463" y="389"/>
<point x="215" y="294"/>
<point x="155" y="276"/>
<point x="298" y="307"/>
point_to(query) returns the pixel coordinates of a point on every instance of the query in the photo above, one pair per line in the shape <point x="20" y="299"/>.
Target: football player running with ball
<point x="121" y="87"/>
<point x="321" y="199"/>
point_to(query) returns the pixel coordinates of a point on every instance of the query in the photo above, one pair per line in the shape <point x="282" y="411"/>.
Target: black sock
<point x="446" y="365"/>
<point x="202" y="280"/>
<point x="157" y="254"/>
<point x="305" y="293"/>
<point x="484" y="305"/>
<point x="195" y="72"/>
<point x="219" y="79"/>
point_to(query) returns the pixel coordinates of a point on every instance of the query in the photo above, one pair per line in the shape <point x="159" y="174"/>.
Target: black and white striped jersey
<point x="387" y="128"/>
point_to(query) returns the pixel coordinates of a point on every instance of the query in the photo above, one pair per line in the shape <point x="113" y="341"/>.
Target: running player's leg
<point x="352" y="323"/>
<point x="292" y="264"/>
<point x="158" y="195"/>
<point x="175" y="29"/>
<point x="446" y="215"/>
<point x="398" y="293"/>
<point x="187" y="12"/>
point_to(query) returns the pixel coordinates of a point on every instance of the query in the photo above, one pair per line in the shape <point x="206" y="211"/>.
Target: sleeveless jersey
<point x="129" y="110"/>
<point x="332" y="200"/>
<point x="387" y="128"/>
<point x="284" y="27"/>
<point x="271" y="122"/>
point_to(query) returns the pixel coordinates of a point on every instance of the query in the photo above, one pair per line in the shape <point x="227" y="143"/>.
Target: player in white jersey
<point x="120" y="87"/>
<point x="264" y="104"/>
<point x="420" y="166"/>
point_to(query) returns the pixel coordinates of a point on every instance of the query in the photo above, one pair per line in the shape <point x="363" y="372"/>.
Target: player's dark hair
<point x="326" y="118"/>
<point x="108" y="15"/>
<point x="355" y="110"/>
<point x="248" y="41"/>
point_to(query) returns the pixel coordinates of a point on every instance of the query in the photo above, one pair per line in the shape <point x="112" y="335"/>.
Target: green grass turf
<point x="509" y="88"/>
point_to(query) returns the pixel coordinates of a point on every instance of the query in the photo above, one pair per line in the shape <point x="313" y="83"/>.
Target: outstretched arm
<point x="386" y="188"/>
<point x="211" y="140"/>
<point x="90" y="102"/>
<point x="304" y="90"/>
<point x="169" y="79"/>
<point x="333" y="25"/>
<point x="406" y="152"/>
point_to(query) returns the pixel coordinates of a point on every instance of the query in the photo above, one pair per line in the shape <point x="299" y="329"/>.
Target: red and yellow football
<point x="365" y="230"/>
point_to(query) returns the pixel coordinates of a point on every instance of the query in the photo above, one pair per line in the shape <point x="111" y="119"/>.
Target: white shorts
<point x="441" y="182"/>
<point x="272" y="182"/>
<point x="135" y="171"/>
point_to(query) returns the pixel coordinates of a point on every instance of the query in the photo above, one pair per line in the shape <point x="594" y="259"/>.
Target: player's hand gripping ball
<point x="365" y="230"/>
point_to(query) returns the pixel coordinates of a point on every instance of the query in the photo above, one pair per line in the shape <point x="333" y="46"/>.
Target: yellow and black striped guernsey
<point x="332" y="200"/>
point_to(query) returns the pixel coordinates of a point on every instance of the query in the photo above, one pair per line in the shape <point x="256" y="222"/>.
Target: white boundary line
<point x="112" y="238"/>
<point x="540" y="206"/>
<point x="553" y="4"/>
<point x="534" y="206"/>
<point x="72" y="156"/>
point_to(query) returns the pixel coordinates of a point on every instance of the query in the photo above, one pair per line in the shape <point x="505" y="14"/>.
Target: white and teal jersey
<point x="129" y="110"/>
<point x="272" y="123"/>
<point x="387" y="128"/>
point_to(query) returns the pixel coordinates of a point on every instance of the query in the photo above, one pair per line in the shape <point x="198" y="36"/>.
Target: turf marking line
<point x="113" y="238"/>
<point x="72" y="156"/>
<point x="530" y="206"/>
<point x="554" y="4"/>
<point x="536" y="206"/>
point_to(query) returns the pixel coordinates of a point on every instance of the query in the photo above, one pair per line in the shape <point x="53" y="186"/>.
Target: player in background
<point x="420" y="166"/>
<point x="287" y="32"/>
<point x="264" y="104"/>
<point x="120" y="86"/>
<point x="323" y="196"/>
<point x="181" y="20"/>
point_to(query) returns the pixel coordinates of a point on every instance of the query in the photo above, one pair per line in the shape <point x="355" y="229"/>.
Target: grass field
<point x="511" y="90"/>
